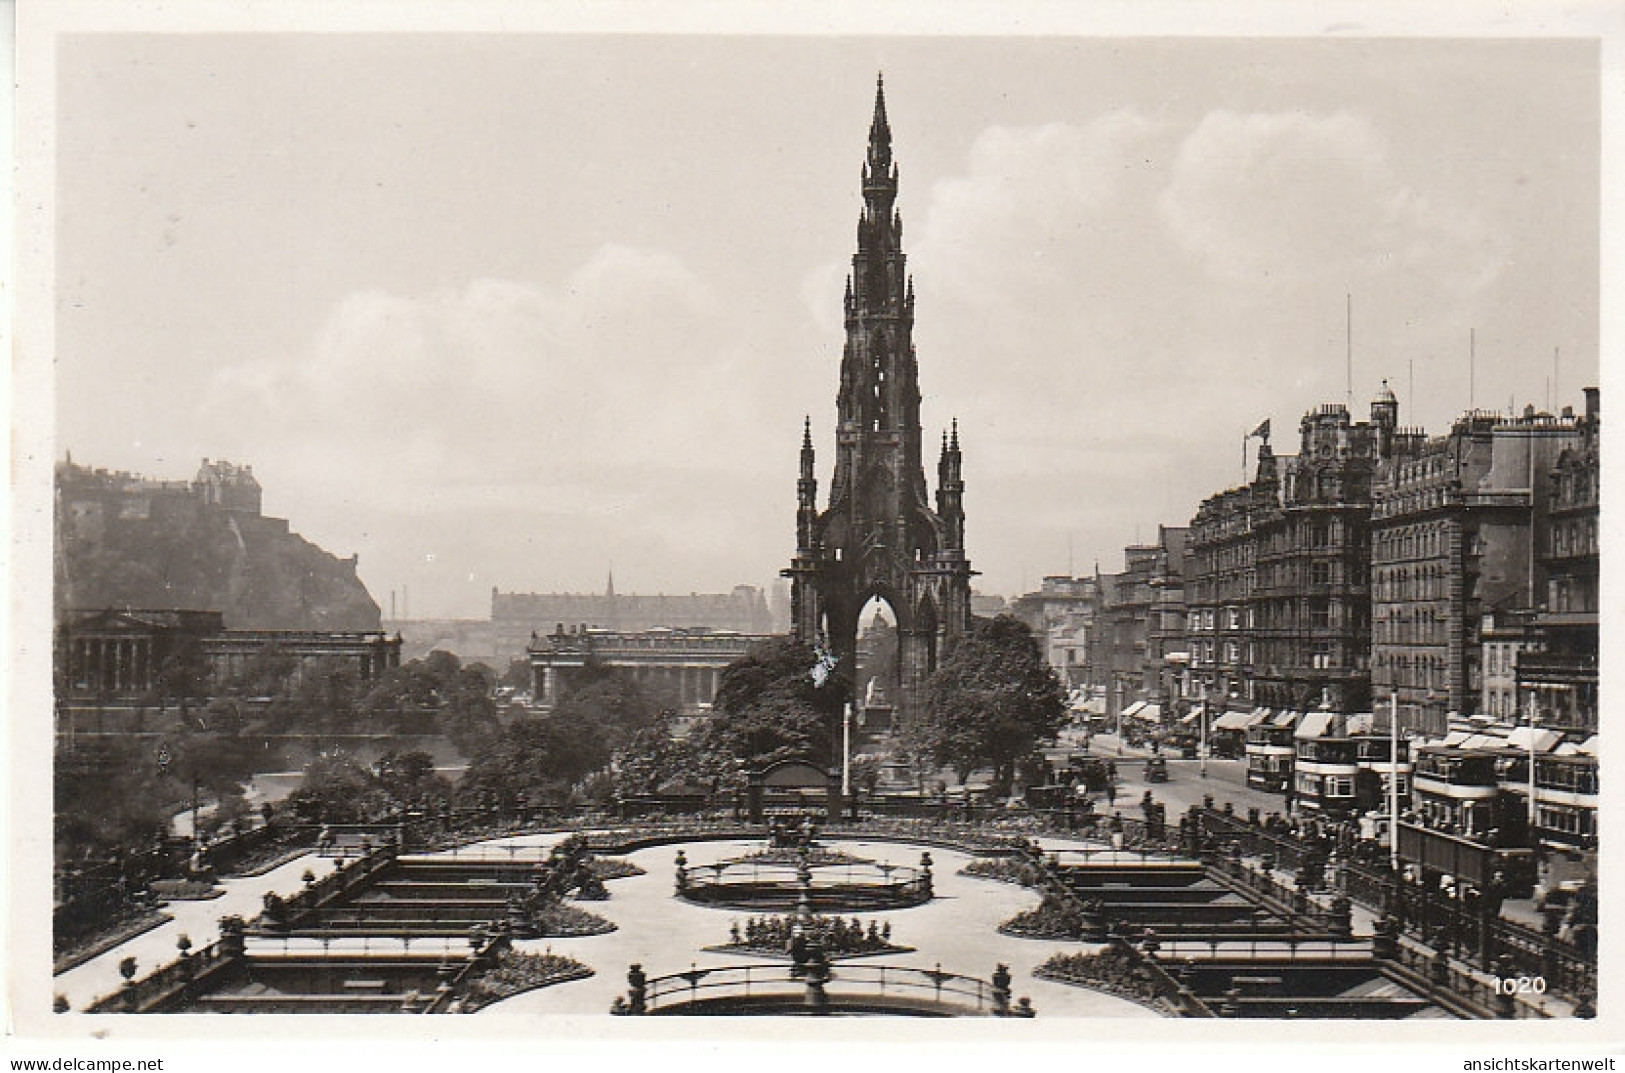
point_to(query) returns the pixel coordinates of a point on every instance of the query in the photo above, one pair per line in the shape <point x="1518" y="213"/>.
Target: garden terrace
<point x="356" y="983"/>
<point x="853" y="885"/>
<point x="737" y="990"/>
<point x="1308" y="988"/>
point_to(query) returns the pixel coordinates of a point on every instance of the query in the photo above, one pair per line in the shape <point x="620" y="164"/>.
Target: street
<point x="1226" y="780"/>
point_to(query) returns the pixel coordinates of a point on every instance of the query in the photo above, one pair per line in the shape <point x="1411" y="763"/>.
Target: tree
<point x="517" y="676"/>
<point x="768" y="707"/>
<point x="539" y="758"/>
<point x="266" y="673"/>
<point x="183" y="674"/>
<point x="990" y="701"/>
<point x="468" y="713"/>
<point x="409" y="778"/>
<point x="613" y="705"/>
<point x="337" y="789"/>
<point x="654" y="757"/>
<point x="434" y="694"/>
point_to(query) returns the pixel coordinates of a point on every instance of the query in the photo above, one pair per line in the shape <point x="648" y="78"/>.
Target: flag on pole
<point x="1263" y="430"/>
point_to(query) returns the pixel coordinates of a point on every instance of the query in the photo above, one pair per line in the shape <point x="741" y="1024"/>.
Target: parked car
<point x="1156" y="769"/>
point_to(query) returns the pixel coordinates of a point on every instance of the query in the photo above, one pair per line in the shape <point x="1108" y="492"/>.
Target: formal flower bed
<point x="185" y="890"/>
<point x="613" y="868"/>
<point x="568" y="922"/>
<point x="1054" y="918"/>
<point x="838" y="936"/>
<point x="813" y="855"/>
<point x="1004" y="869"/>
<point x="1113" y="970"/>
<point x="515" y="973"/>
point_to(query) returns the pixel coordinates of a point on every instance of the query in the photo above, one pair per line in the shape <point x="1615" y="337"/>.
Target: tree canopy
<point x="544" y="757"/>
<point x="991" y="700"/>
<point x="768" y="707"/>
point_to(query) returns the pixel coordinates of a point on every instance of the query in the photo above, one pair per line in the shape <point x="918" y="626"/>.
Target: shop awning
<point x="1314" y="725"/>
<point x="1361" y="723"/>
<point x="1260" y="715"/>
<point x="1151" y="713"/>
<point x="1231" y="721"/>
<point x="1544" y="740"/>
<point x="1134" y="709"/>
<point x="1285" y="719"/>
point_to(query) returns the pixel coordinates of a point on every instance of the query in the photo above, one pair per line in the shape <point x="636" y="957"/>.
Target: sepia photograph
<point x="575" y="523"/>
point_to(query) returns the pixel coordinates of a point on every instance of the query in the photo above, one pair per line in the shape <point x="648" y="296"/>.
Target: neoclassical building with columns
<point x="682" y="663"/>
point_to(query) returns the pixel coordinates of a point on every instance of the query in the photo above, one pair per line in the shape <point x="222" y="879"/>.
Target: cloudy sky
<point x="505" y="310"/>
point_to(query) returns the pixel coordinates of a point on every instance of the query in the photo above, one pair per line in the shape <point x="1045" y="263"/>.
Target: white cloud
<point x="1291" y="198"/>
<point x="498" y="398"/>
<point x="1121" y="300"/>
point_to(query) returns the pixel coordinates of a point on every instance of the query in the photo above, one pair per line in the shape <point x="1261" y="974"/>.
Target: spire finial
<point x="880" y="129"/>
<point x="806" y="431"/>
<point x="954" y="440"/>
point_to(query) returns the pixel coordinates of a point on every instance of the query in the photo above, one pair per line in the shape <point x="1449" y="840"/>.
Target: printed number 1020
<point x="1521" y="985"/>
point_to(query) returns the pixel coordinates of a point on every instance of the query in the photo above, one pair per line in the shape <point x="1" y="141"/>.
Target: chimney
<point x="1593" y="405"/>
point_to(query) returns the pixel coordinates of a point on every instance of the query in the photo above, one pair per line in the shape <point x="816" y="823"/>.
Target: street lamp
<point x="1393" y="781"/>
<point x="1201" y="748"/>
<point x="1119" y="717"/>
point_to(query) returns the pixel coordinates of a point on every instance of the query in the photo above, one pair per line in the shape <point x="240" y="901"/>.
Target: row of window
<point x="1422" y="581"/>
<point x="1203" y="652"/>
<point x="1429" y="467"/>
<point x="1395" y="543"/>
<point x="1291" y="574"/>
<point x="1575" y="537"/>
<point x="1567" y="819"/>
<point x="1411" y="502"/>
<point x="1207" y="618"/>
<point x="1427" y="627"/>
<point x="1324" y="788"/>
<point x="1575" y="487"/>
<point x="1327" y="533"/>
<point x="1571" y="595"/>
<point x="1413" y="670"/>
<point x="1569" y="777"/>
